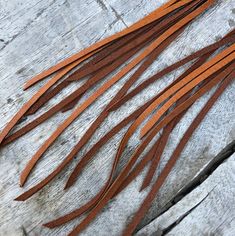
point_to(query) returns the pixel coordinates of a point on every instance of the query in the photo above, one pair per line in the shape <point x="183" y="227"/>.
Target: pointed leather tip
<point x="22" y="181"/>
<point x="67" y="185"/>
<point x="19" y="199"/>
<point x="47" y="225"/>
<point x="142" y="133"/>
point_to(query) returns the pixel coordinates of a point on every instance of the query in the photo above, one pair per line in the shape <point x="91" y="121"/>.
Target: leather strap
<point x="170" y="127"/>
<point x="227" y="39"/>
<point x="154" y="119"/>
<point x="138" y="121"/>
<point x="104" y="114"/>
<point x="110" y="191"/>
<point x="30" y="165"/>
<point x="28" y="104"/>
<point x="98" y="57"/>
<point x="146" y="159"/>
<point x="82" y="89"/>
<point x="158" y="13"/>
<point x="148" y="36"/>
<point x="159" y="182"/>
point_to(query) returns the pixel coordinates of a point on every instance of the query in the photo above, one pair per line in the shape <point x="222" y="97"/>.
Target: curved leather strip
<point x="75" y="172"/>
<point x="155" y="118"/>
<point x="148" y="36"/>
<point x="140" y="166"/>
<point x="190" y="100"/>
<point x="166" y="132"/>
<point x="175" y="156"/>
<point x="116" y="45"/>
<point x="116" y="184"/>
<point x="36" y="96"/>
<point x="171" y="91"/>
<point x="76" y="213"/>
<point x="112" y="189"/>
<point x="103" y="115"/>
<point x="98" y="56"/>
<point x="135" y="42"/>
<point x="158" y="13"/>
<point x="106" y="86"/>
<point x="137" y="122"/>
<point x="96" y="147"/>
<point x="227" y="39"/>
<point x="91" y="81"/>
<point x="170" y="127"/>
<point x="77" y="93"/>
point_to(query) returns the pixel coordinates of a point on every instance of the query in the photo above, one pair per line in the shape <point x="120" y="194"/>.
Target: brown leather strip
<point x="30" y="165"/>
<point x="112" y="189"/>
<point x="197" y="64"/>
<point x="140" y="166"/>
<point x="155" y="118"/>
<point x="36" y="96"/>
<point x="165" y="23"/>
<point x="76" y="213"/>
<point x="93" y="150"/>
<point x="194" y="97"/>
<point x="230" y="38"/>
<point x="170" y="127"/>
<point x="79" y="92"/>
<point x="91" y="81"/>
<point x="158" y="13"/>
<point x="117" y="44"/>
<point x="137" y="122"/>
<point x="98" y="57"/>
<point x="193" y="67"/>
<point x="141" y="40"/>
<point x="104" y="114"/>
<point x="159" y="182"/>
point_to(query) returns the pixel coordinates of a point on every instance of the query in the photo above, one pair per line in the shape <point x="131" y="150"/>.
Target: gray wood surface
<point x="39" y="33"/>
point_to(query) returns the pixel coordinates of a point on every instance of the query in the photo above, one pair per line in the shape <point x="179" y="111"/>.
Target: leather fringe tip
<point x="138" y="45"/>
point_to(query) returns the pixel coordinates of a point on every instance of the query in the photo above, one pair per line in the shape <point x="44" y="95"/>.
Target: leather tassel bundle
<point x="138" y="45"/>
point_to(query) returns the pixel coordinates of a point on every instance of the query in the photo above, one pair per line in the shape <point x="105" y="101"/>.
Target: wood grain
<point x="35" y="35"/>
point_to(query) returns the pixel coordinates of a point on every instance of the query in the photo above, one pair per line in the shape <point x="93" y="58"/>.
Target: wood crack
<point x="200" y="178"/>
<point x="170" y="227"/>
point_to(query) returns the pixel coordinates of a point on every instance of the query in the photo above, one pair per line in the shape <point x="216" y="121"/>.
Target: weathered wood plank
<point x="37" y="34"/>
<point x="207" y="210"/>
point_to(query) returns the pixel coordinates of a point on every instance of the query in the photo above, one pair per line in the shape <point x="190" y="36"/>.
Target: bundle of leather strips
<point x="138" y="45"/>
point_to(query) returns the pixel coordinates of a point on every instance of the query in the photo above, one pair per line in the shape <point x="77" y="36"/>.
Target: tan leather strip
<point x="162" y="25"/>
<point x="112" y="189"/>
<point x="184" y="105"/>
<point x="77" y="212"/>
<point x="91" y="152"/>
<point x="141" y="40"/>
<point x="75" y="172"/>
<point x="155" y="118"/>
<point x="98" y="57"/>
<point x="159" y="182"/>
<point x="170" y="127"/>
<point x="79" y="92"/>
<point x="170" y="91"/>
<point x="100" y="119"/>
<point x="146" y="159"/>
<point x="28" y="104"/>
<point x="30" y="165"/>
<point x="90" y="82"/>
<point x="227" y="39"/>
<point x="139" y="120"/>
<point x="158" y="13"/>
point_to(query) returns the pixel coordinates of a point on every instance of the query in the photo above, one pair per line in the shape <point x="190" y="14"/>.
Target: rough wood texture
<point x="37" y="34"/>
<point x="207" y="210"/>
